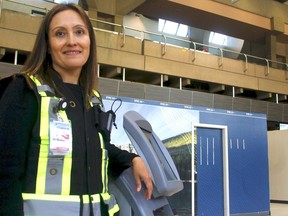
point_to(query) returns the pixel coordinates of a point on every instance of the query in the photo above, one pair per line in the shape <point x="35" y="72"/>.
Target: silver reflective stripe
<point x="51" y="208"/>
<point x="54" y="175"/>
<point x="45" y="88"/>
<point x="59" y="205"/>
<point x="58" y="208"/>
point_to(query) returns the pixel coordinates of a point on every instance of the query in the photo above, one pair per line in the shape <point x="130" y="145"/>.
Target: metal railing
<point x="191" y="45"/>
<point x="246" y="58"/>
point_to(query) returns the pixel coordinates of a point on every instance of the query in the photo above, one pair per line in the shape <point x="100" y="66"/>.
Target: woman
<point x="53" y="153"/>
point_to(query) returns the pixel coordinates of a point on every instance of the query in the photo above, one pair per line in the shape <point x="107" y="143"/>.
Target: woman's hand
<point x="141" y="173"/>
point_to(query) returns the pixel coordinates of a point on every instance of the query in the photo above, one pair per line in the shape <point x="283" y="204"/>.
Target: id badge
<point x="60" y="138"/>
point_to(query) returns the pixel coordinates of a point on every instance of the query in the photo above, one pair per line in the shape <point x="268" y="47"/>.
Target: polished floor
<point x="279" y="209"/>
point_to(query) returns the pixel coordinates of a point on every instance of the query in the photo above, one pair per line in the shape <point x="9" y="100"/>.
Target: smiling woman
<point x="69" y="45"/>
<point x="59" y="161"/>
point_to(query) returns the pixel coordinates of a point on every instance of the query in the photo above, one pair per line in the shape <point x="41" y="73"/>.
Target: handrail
<point x="220" y="61"/>
<point x="163" y="52"/>
<point x="200" y="44"/>
<point x="124" y="36"/>
<point x="194" y="53"/>
<point x="267" y="71"/>
<point x="166" y="37"/>
<point x="164" y="49"/>
<point x="246" y="62"/>
<point x="286" y="77"/>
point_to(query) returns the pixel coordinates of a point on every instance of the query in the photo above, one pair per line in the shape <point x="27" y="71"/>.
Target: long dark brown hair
<point x="39" y="61"/>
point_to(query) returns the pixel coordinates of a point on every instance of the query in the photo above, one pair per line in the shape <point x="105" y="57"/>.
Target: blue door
<point x="209" y="186"/>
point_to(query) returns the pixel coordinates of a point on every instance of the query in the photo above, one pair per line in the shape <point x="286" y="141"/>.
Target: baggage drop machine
<point x="166" y="180"/>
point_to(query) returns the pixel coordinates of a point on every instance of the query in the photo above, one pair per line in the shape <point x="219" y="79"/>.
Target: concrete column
<point x="271" y="47"/>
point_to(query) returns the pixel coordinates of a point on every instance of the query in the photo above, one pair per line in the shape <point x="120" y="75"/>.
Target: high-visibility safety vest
<point x="52" y="194"/>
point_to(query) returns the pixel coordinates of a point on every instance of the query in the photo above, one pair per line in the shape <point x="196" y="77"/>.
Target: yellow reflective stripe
<point x="66" y="175"/>
<point x="37" y="82"/>
<point x="113" y="210"/>
<point x="44" y="146"/>
<point x="106" y="196"/>
<point x="60" y="198"/>
<point x="105" y="172"/>
<point x="101" y="140"/>
<point x="97" y="94"/>
<point x="104" y="165"/>
<point x="95" y="198"/>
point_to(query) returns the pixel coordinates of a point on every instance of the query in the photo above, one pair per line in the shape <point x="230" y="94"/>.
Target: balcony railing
<point x="159" y="38"/>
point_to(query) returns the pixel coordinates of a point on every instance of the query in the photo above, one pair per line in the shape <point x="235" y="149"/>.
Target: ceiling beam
<point x="264" y="95"/>
<point x="213" y="88"/>
<point x="237" y="91"/>
<point x="124" y="7"/>
<point x="113" y="72"/>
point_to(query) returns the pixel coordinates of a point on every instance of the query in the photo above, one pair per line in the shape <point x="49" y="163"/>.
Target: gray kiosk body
<point x="165" y="176"/>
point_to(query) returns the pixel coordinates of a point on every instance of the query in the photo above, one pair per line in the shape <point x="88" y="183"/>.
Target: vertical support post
<point x="246" y="63"/>
<point x="124" y="37"/>
<point x="194" y="52"/>
<point x="124" y="75"/>
<point x="16" y="57"/>
<point x="164" y="45"/>
<point x="267" y="69"/>
<point x="98" y="70"/>
<point x="220" y="63"/>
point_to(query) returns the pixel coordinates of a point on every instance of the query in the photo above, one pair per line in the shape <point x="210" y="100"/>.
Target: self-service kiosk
<point x="164" y="174"/>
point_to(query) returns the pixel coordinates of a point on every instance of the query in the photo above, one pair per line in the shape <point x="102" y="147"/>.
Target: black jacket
<point x="19" y="145"/>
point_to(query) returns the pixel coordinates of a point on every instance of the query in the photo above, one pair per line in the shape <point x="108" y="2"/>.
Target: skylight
<point x="172" y="28"/>
<point x="66" y="1"/>
<point x="218" y="39"/>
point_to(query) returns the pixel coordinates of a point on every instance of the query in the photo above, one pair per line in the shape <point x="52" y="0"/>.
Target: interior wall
<point x="278" y="164"/>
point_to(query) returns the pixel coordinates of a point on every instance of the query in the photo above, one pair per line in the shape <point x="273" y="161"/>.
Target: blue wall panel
<point x="248" y="160"/>
<point x="248" y="152"/>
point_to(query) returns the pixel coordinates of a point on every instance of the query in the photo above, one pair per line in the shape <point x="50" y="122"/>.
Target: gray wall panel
<point x="180" y="96"/>
<point x="131" y="90"/>
<point x="108" y="86"/>
<point x="156" y="93"/>
<point x="8" y="69"/>
<point x="285" y="113"/>
<point x="222" y="102"/>
<point x="202" y="99"/>
<point x="275" y="111"/>
<point x="241" y="104"/>
<point x="258" y="106"/>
